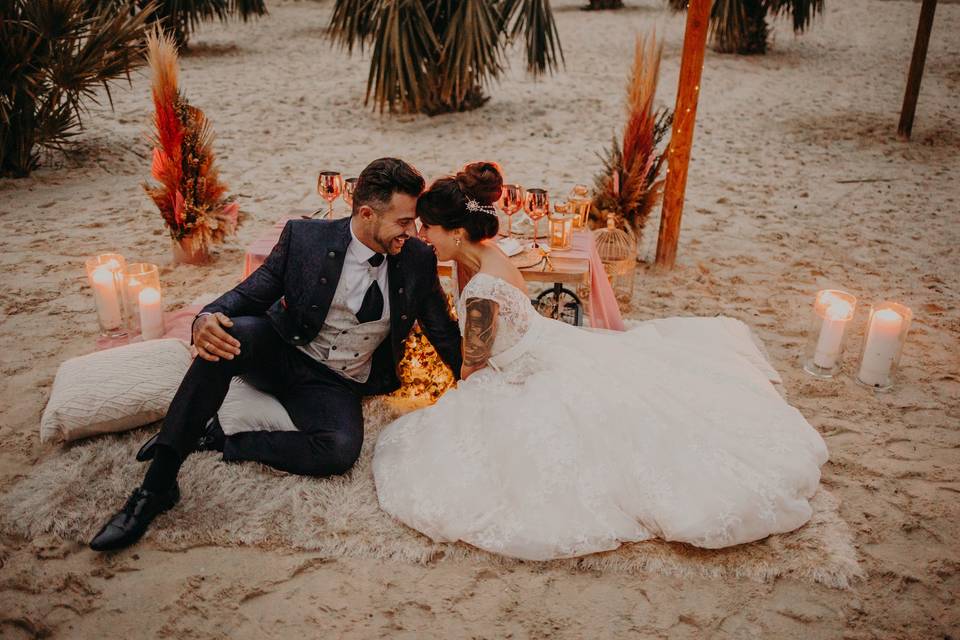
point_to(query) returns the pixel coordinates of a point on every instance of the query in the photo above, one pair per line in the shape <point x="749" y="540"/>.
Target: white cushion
<point x="246" y="408"/>
<point x="114" y="390"/>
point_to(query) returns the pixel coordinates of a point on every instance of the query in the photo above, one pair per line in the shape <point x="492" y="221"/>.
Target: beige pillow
<point x="246" y="408"/>
<point x="114" y="390"/>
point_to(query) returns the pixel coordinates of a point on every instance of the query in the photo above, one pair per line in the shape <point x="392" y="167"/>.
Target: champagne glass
<point x="349" y="186"/>
<point x="536" y="203"/>
<point x="511" y="201"/>
<point x="329" y="186"/>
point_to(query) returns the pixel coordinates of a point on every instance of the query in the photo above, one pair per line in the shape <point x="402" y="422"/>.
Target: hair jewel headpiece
<point x="475" y="207"/>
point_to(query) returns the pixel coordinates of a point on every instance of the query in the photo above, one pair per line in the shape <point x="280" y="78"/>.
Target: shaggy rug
<point x="73" y="491"/>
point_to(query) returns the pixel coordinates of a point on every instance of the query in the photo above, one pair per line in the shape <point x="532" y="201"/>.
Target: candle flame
<point x="149" y="296"/>
<point x="102" y="274"/>
<point x="888" y="315"/>
<point x="838" y="309"/>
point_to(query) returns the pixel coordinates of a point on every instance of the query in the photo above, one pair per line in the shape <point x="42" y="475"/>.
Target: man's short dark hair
<point x="384" y="177"/>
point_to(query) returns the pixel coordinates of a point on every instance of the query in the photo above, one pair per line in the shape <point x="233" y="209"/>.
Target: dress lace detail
<point x="573" y="441"/>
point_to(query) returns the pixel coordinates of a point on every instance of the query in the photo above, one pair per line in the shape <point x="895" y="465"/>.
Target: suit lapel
<point x="329" y="262"/>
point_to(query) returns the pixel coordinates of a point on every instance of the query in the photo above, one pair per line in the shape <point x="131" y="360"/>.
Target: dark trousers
<point x="324" y="407"/>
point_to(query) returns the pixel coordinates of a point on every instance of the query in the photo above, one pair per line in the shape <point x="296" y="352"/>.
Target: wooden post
<point x="916" y="68"/>
<point x="681" y="139"/>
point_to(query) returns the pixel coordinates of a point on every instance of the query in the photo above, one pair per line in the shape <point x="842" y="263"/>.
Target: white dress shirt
<point x="357" y="275"/>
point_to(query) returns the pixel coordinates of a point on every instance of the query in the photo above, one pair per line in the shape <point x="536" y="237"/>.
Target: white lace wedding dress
<point x="574" y="441"/>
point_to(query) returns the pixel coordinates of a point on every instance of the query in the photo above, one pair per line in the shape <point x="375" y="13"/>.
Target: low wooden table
<point x="566" y="271"/>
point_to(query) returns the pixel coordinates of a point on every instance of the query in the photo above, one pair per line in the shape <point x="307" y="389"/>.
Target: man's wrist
<point x="193" y="325"/>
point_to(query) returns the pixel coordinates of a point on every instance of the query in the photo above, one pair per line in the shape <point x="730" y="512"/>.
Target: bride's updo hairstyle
<point x="465" y="201"/>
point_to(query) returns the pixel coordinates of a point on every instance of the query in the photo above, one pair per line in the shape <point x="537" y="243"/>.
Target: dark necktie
<point x="372" y="307"/>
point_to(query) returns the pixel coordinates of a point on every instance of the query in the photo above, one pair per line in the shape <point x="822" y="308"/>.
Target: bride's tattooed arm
<point x="480" y="330"/>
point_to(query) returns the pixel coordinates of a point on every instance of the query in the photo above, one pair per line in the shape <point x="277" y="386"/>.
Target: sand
<point x="797" y="183"/>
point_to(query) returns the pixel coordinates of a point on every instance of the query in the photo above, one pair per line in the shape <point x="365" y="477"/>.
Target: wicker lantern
<point x="618" y="251"/>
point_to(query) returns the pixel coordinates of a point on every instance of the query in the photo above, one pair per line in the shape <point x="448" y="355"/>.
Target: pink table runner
<point x="602" y="306"/>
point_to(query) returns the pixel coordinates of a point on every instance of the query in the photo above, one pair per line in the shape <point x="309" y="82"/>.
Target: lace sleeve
<point x="513" y="308"/>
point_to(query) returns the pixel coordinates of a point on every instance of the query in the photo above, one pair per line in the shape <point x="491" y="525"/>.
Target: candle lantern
<point x="105" y="274"/>
<point x="561" y="227"/>
<point x="579" y="203"/>
<point x="886" y="333"/>
<point x="144" y="302"/>
<point x="832" y="312"/>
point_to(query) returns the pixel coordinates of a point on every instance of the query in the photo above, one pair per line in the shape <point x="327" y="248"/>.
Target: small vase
<point x="189" y="250"/>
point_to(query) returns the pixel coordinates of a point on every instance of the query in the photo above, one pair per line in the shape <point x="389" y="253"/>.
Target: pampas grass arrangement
<point x="630" y="185"/>
<point x="191" y="197"/>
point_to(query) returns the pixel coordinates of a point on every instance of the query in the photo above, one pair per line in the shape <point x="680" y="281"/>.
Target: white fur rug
<point x="74" y="490"/>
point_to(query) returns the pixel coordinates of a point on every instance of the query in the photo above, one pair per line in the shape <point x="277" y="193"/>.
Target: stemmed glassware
<point x="511" y="201"/>
<point x="349" y="186"/>
<point x="536" y="203"/>
<point x="329" y="186"/>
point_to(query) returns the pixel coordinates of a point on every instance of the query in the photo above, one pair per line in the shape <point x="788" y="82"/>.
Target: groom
<point x="320" y="324"/>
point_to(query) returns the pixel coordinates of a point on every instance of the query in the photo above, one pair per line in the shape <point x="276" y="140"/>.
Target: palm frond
<point x="405" y="51"/>
<point x="802" y="12"/>
<point x="533" y="19"/>
<point x="471" y="51"/>
<point x="53" y="56"/>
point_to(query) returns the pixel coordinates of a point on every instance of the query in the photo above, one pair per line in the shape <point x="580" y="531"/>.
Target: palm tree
<point x="740" y="26"/>
<point x="435" y="56"/>
<point x="181" y="17"/>
<point x="52" y="57"/>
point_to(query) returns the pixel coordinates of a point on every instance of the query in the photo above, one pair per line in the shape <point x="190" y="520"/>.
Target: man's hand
<point x="211" y="341"/>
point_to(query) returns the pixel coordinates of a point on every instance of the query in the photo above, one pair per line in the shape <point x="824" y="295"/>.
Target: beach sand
<point x="797" y="183"/>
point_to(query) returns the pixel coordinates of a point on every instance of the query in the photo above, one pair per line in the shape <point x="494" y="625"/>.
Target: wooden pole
<point x="924" y="26"/>
<point x="681" y="139"/>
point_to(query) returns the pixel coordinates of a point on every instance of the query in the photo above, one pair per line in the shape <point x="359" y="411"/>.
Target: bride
<point x="560" y="441"/>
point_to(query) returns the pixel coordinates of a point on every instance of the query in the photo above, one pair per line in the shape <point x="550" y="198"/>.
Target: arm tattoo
<point x="480" y="330"/>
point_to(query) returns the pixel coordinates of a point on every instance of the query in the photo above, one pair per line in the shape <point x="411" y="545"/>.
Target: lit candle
<point x="883" y="344"/>
<point x="151" y="313"/>
<point x="836" y="314"/>
<point x="105" y="295"/>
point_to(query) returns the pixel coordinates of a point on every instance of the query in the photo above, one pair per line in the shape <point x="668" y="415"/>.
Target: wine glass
<point x="511" y="201"/>
<point x="349" y="186"/>
<point x="536" y="203"/>
<point x="329" y="186"/>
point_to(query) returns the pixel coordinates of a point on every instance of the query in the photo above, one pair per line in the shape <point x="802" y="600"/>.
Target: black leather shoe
<point x="130" y="523"/>
<point x="148" y="449"/>
<point x="212" y="439"/>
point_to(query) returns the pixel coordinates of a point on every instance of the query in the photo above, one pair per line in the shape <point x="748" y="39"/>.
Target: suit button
<point x="323" y="281"/>
<point x="400" y="290"/>
<point x="313" y="306"/>
<point x="296" y="337"/>
<point x="332" y="254"/>
<point x="403" y="317"/>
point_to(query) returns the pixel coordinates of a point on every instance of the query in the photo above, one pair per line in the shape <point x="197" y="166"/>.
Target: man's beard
<point x="392" y="246"/>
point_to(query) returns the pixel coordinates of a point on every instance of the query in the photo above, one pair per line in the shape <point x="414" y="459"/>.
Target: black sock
<point x="163" y="470"/>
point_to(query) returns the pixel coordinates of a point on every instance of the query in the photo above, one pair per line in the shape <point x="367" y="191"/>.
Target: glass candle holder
<point x="105" y="274"/>
<point x="144" y="301"/>
<point x="886" y="334"/>
<point x="561" y="227"/>
<point x="832" y="312"/>
<point x="579" y="202"/>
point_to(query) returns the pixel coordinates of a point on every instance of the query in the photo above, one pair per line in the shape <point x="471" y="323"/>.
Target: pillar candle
<point x="883" y="342"/>
<point x="831" y="333"/>
<point x="151" y="314"/>
<point x="105" y="295"/>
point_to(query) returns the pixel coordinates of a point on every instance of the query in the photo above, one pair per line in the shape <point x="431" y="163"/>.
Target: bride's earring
<point x="458" y="242"/>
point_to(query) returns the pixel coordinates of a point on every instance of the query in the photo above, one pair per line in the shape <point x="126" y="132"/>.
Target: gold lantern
<point x="579" y="202"/>
<point x="561" y="227"/>
<point x="618" y="252"/>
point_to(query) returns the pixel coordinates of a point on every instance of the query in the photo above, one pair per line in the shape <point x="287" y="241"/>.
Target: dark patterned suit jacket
<point x="296" y="283"/>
